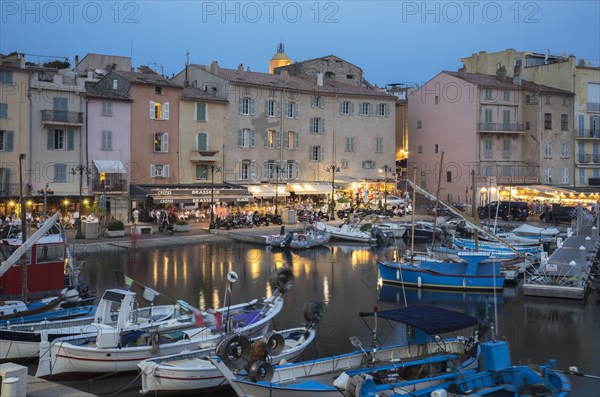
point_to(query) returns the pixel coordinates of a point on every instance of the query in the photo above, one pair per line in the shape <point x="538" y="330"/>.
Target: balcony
<point x="109" y="186"/>
<point x="501" y="127"/>
<point x="204" y="156"/>
<point x="588" y="158"/>
<point x="587" y="134"/>
<point x="63" y="117"/>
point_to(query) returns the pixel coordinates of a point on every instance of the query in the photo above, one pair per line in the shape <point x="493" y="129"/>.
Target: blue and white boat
<point x="495" y="250"/>
<point x="425" y="360"/>
<point x="472" y="273"/>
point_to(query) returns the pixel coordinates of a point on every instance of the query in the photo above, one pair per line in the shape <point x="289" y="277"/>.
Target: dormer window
<point x="158" y="90"/>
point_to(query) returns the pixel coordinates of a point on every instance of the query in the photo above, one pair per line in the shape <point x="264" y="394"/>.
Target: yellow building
<point x="279" y="59"/>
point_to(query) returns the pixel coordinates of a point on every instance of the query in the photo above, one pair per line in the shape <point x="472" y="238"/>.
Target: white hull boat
<point x="192" y="370"/>
<point x="347" y="232"/>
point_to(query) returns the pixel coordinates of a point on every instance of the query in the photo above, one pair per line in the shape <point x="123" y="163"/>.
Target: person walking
<point x="136" y="216"/>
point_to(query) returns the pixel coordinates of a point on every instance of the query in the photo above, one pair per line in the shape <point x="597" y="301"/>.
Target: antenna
<point x="162" y="68"/>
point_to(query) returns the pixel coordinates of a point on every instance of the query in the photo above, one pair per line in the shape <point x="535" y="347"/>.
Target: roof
<point x="431" y="320"/>
<point x="198" y="94"/>
<point x="146" y="79"/>
<point x="323" y="57"/>
<point x="247" y="77"/>
<point x="489" y="80"/>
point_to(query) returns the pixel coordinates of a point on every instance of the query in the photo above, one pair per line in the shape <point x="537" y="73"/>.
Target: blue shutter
<point x="241" y="102"/>
<point x="286" y="140"/>
<point x="252" y="106"/>
<point x="582" y="175"/>
<point x="323" y="128"/>
<point x="3" y="110"/>
<point x="341" y="107"/>
<point x="297" y="110"/>
<point x="581" y="120"/>
<point x="265" y="135"/>
<point x="277" y="139"/>
<point x="50" y="139"/>
<point x="70" y="139"/>
<point x="296" y="139"/>
<point x="252" y="138"/>
<point x="312" y="125"/>
<point x="240" y="137"/>
<point x="8" y="141"/>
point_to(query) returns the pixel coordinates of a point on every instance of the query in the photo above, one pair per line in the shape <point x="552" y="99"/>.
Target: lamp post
<point x="45" y="191"/>
<point x="80" y="168"/>
<point x="385" y="170"/>
<point x="277" y="168"/>
<point x="333" y="169"/>
<point x="213" y="168"/>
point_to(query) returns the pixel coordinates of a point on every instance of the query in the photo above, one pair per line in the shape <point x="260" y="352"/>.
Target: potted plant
<point x="182" y="226"/>
<point x="115" y="228"/>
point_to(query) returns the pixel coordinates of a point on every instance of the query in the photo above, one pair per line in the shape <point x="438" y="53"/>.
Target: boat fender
<point x="439" y="393"/>
<point x="362" y="385"/>
<point x="260" y="371"/>
<point x="419" y="282"/>
<point x="341" y="382"/>
<point x="154" y="343"/>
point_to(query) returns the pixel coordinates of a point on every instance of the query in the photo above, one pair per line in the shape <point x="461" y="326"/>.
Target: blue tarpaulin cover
<point x="431" y="320"/>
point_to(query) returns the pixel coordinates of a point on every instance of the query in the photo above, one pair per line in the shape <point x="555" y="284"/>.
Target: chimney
<point x="517" y="75"/>
<point x="501" y="73"/>
<point x="214" y="67"/>
<point x="462" y="72"/>
<point x="76" y="61"/>
<point x="284" y="76"/>
<point x="320" y="79"/>
<point x="22" y="61"/>
<point x="240" y="69"/>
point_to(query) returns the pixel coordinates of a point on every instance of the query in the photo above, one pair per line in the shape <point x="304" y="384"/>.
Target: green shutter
<point x="70" y="139"/>
<point x="200" y="111"/>
<point x="277" y="139"/>
<point x="50" y="139"/>
<point x="240" y="137"/>
<point x="296" y="139"/>
<point x="252" y="138"/>
<point x="8" y="141"/>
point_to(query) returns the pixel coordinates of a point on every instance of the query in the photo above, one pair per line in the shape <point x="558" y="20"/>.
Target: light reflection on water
<point x="345" y="279"/>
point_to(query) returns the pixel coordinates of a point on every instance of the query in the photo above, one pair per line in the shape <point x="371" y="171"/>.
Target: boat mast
<point x="412" y="232"/>
<point x="437" y="200"/>
<point x="24" y="292"/>
<point x="474" y="210"/>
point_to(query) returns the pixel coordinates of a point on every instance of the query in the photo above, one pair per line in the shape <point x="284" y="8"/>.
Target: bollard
<point x="569" y="232"/>
<point x="559" y="242"/>
<point x="10" y="387"/>
<point x="588" y="243"/>
<point x="594" y="232"/>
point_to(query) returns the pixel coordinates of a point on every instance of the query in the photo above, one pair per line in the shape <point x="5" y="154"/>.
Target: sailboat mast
<point x="437" y="200"/>
<point x="474" y="210"/>
<point x="24" y="291"/>
<point x="412" y="232"/>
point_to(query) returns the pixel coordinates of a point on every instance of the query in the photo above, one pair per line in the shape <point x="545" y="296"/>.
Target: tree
<point x="58" y="64"/>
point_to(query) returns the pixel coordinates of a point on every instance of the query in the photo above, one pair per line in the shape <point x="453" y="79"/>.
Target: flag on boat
<point x="149" y="294"/>
<point x="128" y="281"/>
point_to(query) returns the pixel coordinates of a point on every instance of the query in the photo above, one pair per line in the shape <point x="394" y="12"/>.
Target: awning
<point x="200" y="199"/>
<point x="310" y="188"/>
<point x="552" y="191"/>
<point x="110" y="166"/>
<point x="263" y="191"/>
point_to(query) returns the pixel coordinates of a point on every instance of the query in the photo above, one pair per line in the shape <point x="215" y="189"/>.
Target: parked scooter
<point x="164" y="225"/>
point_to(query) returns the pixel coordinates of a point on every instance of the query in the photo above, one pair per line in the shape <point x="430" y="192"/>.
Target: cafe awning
<point x="200" y="199"/>
<point x="550" y="191"/>
<point x="192" y="194"/>
<point x="110" y="166"/>
<point x="310" y="188"/>
<point x="264" y="191"/>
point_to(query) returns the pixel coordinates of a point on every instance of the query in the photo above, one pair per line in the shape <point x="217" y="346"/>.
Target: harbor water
<point x="345" y="279"/>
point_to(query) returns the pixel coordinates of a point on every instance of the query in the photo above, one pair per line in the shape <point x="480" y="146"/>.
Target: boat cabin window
<point x="49" y="253"/>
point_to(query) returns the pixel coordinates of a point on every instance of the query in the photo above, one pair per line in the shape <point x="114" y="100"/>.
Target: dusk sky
<point x="392" y="41"/>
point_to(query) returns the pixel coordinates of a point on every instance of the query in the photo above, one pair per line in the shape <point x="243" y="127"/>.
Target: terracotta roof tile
<point x="147" y="79"/>
<point x="198" y="94"/>
<point x="489" y="80"/>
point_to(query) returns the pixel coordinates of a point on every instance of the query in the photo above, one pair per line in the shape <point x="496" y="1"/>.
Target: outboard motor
<point x="379" y="236"/>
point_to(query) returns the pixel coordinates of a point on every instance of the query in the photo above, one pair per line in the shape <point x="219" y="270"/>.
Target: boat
<point x="312" y="237"/>
<point x="424" y="356"/>
<point x="537" y="234"/>
<point x="495" y="250"/>
<point x="53" y="315"/>
<point x="192" y="370"/>
<point x="115" y="309"/>
<point x="52" y="281"/>
<point x="348" y="232"/>
<point x="112" y="350"/>
<point x="471" y="273"/>
<point x="423" y="230"/>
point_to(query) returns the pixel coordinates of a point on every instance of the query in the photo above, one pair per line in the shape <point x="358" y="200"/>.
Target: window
<point x="368" y="164"/>
<point x="527" y="98"/>
<point x="158" y="90"/>
<point x="115" y="84"/>
<point x="106" y="143"/>
<point x="564" y="149"/>
<point x="435" y="148"/>
<point x="383" y="109"/>
<point x="448" y="176"/>
<point x="272" y="139"/>
<point x="247" y="170"/>
<point x="161" y="142"/>
<point x="106" y="108"/>
<point x="3" y="110"/>
<point x="6" y="141"/>
<point x="291" y="110"/>
<point x="202" y="172"/>
<point x="291" y="170"/>
<point x="317" y="125"/>
<point x="349" y="76"/>
<point x="270" y="169"/>
<point x="548" y="175"/>
<point x="548" y="100"/>
<point x="316" y="101"/>
<point x="316" y="153"/>
<point x="202" y="141"/>
<point x="419" y="124"/>
<point x="344" y="163"/>
<point x="365" y="109"/>
<point x="565" y="101"/>
<point x="271" y="108"/>
<point x="506" y="149"/>
<point x="420" y="149"/>
<point x="60" y="173"/>
<point x="488" y="148"/>
<point x="49" y="253"/>
<point x="59" y="139"/>
<point x="246" y="137"/>
<point x="247" y="106"/>
<point x="564" y="122"/>
<point x="159" y="110"/>
<point x="548" y="121"/>
<point x="346" y="107"/>
<point x="565" y="175"/>
<point x="159" y="170"/>
<point x="437" y="100"/>
<point x="506" y="95"/>
<point x="290" y="140"/>
<point x="527" y="126"/>
<point x="488" y="119"/>
<point x="201" y="111"/>
<point x="6" y="77"/>
<point x="548" y="149"/>
<point x="487" y="93"/>
<point x="349" y="144"/>
<point x="379" y="145"/>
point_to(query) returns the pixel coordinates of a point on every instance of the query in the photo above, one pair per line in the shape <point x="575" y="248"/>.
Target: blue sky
<point x="392" y="41"/>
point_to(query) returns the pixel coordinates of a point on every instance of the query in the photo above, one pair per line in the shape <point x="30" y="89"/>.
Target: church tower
<point x="279" y="59"/>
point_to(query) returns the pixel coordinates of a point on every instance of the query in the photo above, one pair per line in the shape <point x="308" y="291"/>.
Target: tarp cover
<point x="429" y="319"/>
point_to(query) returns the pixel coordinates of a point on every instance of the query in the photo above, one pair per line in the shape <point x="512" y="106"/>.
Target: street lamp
<point x="385" y="169"/>
<point x="333" y="169"/>
<point x="45" y="191"/>
<point x="277" y="169"/>
<point x="213" y="168"/>
<point x="80" y="168"/>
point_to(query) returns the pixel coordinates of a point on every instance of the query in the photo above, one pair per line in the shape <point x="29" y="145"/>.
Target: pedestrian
<point x="136" y="216"/>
